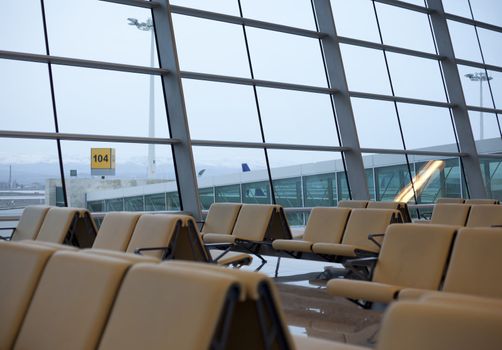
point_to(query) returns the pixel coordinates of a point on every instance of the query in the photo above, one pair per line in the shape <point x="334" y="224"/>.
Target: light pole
<point x="148" y="26"/>
<point x="480" y="76"/>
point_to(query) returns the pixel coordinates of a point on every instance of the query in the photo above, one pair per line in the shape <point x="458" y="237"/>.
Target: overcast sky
<point x="114" y="103"/>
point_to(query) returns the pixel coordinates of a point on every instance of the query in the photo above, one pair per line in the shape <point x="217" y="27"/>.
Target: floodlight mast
<point x="481" y="77"/>
<point x="146" y="27"/>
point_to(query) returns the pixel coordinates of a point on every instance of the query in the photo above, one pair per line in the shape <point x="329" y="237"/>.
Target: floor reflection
<point x="310" y="311"/>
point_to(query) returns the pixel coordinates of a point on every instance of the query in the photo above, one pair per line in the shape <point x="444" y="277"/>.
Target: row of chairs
<point x="73" y="226"/>
<point x="77" y="300"/>
<point x="402" y="207"/>
<point x="469" y="215"/>
<point x="415" y="259"/>
<point x="467" y="201"/>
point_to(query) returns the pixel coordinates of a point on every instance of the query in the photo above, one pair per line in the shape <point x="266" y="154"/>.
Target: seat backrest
<point x="57" y="224"/>
<point x="401" y="206"/>
<point x="482" y="201"/>
<point x="20" y="268"/>
<point x="72" y="302"/>
<point x="483" y="215"/>
<point x="326" y="224"/>
<point x="154" y="230"/>
<point x="354" y="204"/>
<point x="187" y="243"/>
<point x="450" y="214"/>
<point x="475" y="263"/>
<point x="253" y="221"/>
<point x="85" y="231"/>
<point x="362" y="222"/>
<point x="258" y="317"/>
<point x="419" y="325"/>
<point x="414" y="255"/>
<point x="221" y="218"/>
<point x="448" y="200"/>
<point x="171" y="307"/>
<point x="30" y="222"/>
<point x="116" y="230"/>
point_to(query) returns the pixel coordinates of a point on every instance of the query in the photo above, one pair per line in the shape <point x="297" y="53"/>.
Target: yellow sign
<point x="102" y="161"/>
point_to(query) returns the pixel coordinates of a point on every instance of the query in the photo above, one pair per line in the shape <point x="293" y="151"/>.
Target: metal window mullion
<point x="343" y="106"/>
<point x="176" y="110"/>
<point x="470" y="158"/>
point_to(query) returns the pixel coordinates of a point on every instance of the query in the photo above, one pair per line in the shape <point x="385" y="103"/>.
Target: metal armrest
<point x="372" y="236"/>
<point x="147" y="249"/>
<point x="369" y="261"/>
<point x="217" y="245"/>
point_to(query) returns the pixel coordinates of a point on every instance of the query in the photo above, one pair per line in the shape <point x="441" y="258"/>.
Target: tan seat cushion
<point x="347" y="250"/>
<point x="130" y="257"/>
<point x="116" y="230"/>
<point x="326" y="224"/>
<point x="30" y="222"/>
<point x="221" y="218"/>
<point x="445" y="200"/>
<point x="55" y="246"/>
<point x="463" y="299"/>
<point x="352" y="204"/>
<point x="310" y="343"/>
<point x="484" y="215"/>
<point x="20" y="268"/>
<point x="72" y="301"/>
<point x="475" y="263"/>
<point x="292" y="245"/>
<point x="180" y="308"/>
<point x="371" y="291"/>
<point x="253" y="221"/>
<point x="412" y="294"/>
<point x="231" y="258"/>
<point x="56" y="224"/>
<point x="218" y="238"/>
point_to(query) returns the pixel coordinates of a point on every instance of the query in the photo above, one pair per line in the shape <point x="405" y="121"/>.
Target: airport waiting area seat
<point x="474" y="266"/>
<point x="29" y="223"/>
<point x="450" y="200"/>
<point x="412" y="255"/>
<point x="355" y="241"/>
<point x="221" y="218"/>
<point x="402" y="207"/>
<point x="484" y="215"/>
<point x="353" y="203"/>
<point x="450" y="214"/>
<point x="482" y="201"/>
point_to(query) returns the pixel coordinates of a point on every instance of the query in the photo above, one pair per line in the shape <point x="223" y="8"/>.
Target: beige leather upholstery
<point x="324" y="225"/>
<point x="461" y="299"/>
<point x="154" y="231"/>
<point x="475" y="264"/>
<point x="252" y="224"/>
<point x="401" y="206"/>
<point x="450" y="200"/>
<point x="353" y="204"/>
<point x="221" y="218"/>
<point x="483" y="215"/>
<point x="57" y="224"/>
<point x="412" y="255"/>
<point x="419" y="326"/>
<point x="361" y="223"/>
<point x="166" y="306"/>
<point x="482" y="201"/>
<point x="20" y="269"/>
<point x="130" y="257"/>
<point x="30" y="222"/>
<point x="72" y="301"/>
<point x="116" y="230"/>
<point x="54" y="246"/>
<point x="309" y="343"/>
<point x="412" y="294"/>
<point x="450" y="214"/>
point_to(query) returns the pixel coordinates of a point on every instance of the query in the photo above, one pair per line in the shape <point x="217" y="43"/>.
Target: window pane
<point x="129" y="184"/>
<point x="97" y="30"/>
<point x="256" y="192"/>
<point x="286" y="58"/>
<point x="229" y="7"/>
<point x="320" y="190"/>
<point x="355" y="19"/>
<point x="374" y="119"/>
<point x="284" y="114"/>
<point x="105" y="100"/>
<point x="26" y="18"/>
<point x="155" y="202"/>
<point x="475" y="87"/>
<point x="487" y="11"/>
<point x="405" y="28"/>
<point x="490" y="44"/>
<point x="416" y="77"/>
<point x="496" y="86"/>
<point x="27" y="170"/>
<point x="230" y="193"/>
<point x="365" y="70"/>
<point x="295" y="13"/>
<point x="391" y="175"/>
<point x="484" y="126"/>
<point x="25" y="98"/>
<point x="492" y="174"/>
<point x="465" y="41"/>
<point x="426" y="126"/>
<point x="437" y="178"/>
<point x="218" y="111"/>
<point x="210" y="46"/>
<point x="457" y="7"/>
<point x="206" y="197"/>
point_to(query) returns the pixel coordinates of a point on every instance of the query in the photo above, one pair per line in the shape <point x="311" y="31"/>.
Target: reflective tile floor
<point x="310" y="311"/>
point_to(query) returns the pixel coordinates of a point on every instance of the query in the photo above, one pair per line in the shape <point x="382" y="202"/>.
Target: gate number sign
<point x="102" y="161"/>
